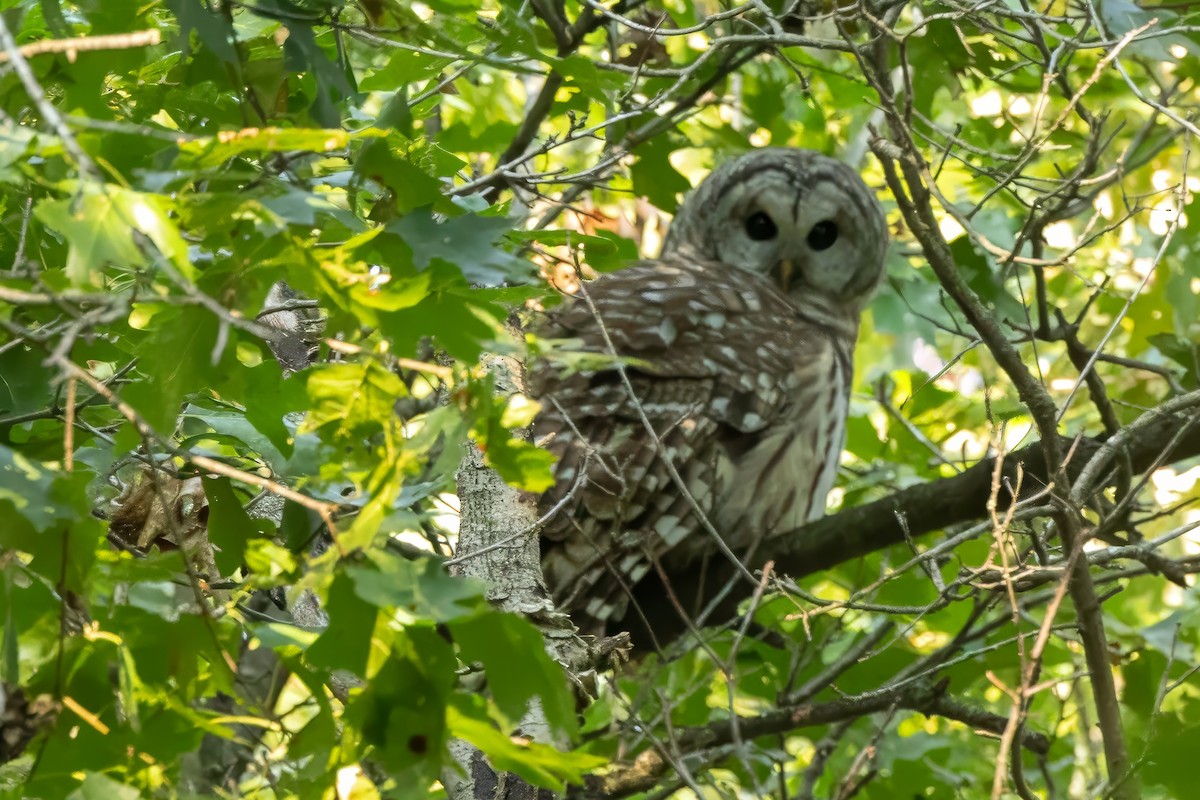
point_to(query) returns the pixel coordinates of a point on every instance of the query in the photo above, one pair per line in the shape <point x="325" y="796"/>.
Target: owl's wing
<point x="715" y="357"/>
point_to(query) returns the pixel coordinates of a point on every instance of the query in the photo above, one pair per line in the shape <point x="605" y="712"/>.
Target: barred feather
<point x="744" y="385"/>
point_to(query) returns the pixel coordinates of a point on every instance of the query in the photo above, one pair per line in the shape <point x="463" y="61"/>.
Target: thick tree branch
<point x="927" y="508"/>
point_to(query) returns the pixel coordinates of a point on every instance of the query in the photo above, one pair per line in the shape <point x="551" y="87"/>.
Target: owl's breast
<point x="779" y="480"/>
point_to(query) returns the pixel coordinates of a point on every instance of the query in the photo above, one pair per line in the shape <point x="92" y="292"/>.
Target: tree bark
<point x="491" y="511"/>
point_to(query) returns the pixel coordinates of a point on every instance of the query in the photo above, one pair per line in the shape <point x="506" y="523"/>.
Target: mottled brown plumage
<point x="737" y="346"/>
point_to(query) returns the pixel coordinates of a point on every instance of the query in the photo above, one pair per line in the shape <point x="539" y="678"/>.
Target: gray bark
<point x="491" y="513"/>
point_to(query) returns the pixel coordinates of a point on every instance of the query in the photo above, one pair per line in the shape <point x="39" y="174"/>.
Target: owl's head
<point x="804" y="220"/>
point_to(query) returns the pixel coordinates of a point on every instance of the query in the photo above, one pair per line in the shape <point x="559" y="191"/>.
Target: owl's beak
<point x="783" y="274"/>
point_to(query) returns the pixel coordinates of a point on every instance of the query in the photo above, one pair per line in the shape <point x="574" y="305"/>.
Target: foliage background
<point x="419" y="170"/>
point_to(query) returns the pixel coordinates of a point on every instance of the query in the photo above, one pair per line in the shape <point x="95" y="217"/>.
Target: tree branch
<point x="924" y="509"/>
<point x="929" y="699"/>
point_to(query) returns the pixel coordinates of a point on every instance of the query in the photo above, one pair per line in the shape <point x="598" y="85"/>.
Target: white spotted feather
<point x="738" y="350"/>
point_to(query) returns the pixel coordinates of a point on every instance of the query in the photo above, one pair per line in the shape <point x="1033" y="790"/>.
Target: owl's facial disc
<point x="806" y="221"/>
<point x="814" y="232"/>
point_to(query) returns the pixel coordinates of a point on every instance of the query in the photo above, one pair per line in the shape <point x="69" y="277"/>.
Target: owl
<point x="703" y="394"/>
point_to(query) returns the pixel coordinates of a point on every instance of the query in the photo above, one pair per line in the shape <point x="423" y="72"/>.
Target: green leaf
<point x="1122" y="16"/>
<point x="47" y="514"/>
<point x="151" y="215"/>
<point x="99" y="787"/>
<point x="237" y="425"/>
<point x="1169" y="754"/>
<point x="404" y="67"/>
<point x="212" y="26"/>
<point x="518" y="669"/>
<point x="15" y="144"/>
<point x="272" y="564"/>
<point x="229" y="527"/>
<point x="464" y="320"/>
<point x="518" y="461"/>
<point x="468" y="242"/>
<point x="981" y="276"/>
<point x="412" y="188"/>
<point x="655" y="178"/>
<point x="97" y="222"/>
<point x="347" y="644"/>
<point x="25" y="381"/>
<point x="538" y="763"/>
<point x="303" y="52"/>
<point x="96" y="231"/>
<point x="215" y="150"/>
<point x="357" y="399"/>
<point x="274" y="399"/>
<point x="403" y="710"/>
<point x="1180" y="350"/>
<point x="415" y="590"/>
<point x="184" y="356"/>
<point x="277" y="635"/>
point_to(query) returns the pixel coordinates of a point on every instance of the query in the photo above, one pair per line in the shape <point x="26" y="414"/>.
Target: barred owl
<point x="734" y="347"/>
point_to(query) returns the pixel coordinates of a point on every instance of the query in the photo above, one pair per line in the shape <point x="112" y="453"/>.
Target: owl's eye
<point x="823" y="235"/>
<point x="760" y="227"/>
